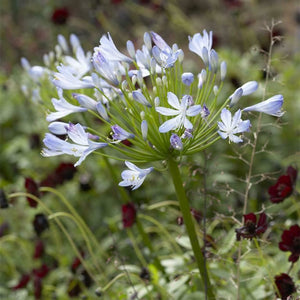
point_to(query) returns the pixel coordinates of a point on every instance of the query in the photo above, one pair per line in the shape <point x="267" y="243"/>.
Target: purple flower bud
<point x="187" y="78"/>
<point x="204" y="112"/>
<point x="120" y="134"/>
<point x="176" y="142"/>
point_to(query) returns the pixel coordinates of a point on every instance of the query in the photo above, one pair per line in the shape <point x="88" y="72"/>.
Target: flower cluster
<point x="144" y="97"/>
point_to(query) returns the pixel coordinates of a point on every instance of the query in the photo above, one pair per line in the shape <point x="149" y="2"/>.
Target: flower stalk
<point x="188" y="221"/>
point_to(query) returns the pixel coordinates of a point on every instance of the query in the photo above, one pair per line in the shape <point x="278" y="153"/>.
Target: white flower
<point x="245" y="90"/>
<point x="272" y="106"/>
<point x="66" y="79"/>
<point x="163" y="53"/>
<point x="231" y="126"/>
<point x="135" y="176"/>
<point x="81" y="147"/>
<point x="63" y="108"/>
<point x="181" y="111"/>
<point x="201" y="45"/>
<point x="110" y="51"/>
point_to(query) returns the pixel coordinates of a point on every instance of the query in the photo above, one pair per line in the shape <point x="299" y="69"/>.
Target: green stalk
<point x="188" y="221"/>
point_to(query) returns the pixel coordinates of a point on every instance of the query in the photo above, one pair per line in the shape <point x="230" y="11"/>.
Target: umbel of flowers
<point x="154" y="109"/>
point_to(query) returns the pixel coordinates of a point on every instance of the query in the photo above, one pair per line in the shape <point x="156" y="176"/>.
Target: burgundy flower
<point x="40" y="223"/>
<point x="251" y="227"/>
<point x="3" y="200"/>
<point x="128" y="214"/>
<point x="23" y="282"/>
<point x="37" y="286"/>
<point x="39" y="249"/>
<point x="32" y="188"/>
<point x="285" y="285"/>
<point x="60" y="16"/>
<point x="290" y="241"/>
<point x="42" y="271"/>
<point x="64" y="172"/>
<point x="76" y="263"/>
<point x="284" y="186"/>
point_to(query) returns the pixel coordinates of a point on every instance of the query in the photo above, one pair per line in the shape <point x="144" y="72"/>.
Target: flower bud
<point x="187" y="78"/>
<point x="144" y="129"/>
<point x="214" y="60"/>
<point x="216" y="89"/>
<point x="148" y="41"/>
<point x="130" y="49"/>
<point x="223" y="70"/>
<point x="176" y="142"/>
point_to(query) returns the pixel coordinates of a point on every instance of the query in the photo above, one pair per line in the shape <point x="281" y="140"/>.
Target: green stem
<point x="188" y="221"/>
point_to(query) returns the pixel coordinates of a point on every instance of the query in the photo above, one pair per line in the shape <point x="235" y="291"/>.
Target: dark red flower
<point x="37" y="286"/>
<point x="290" y="241"/>
<point x="251" y="227"/>
<point x="128" y="214"/>
<point x="76" y="263"/>
<point x="3" y="200"/>
<point x="32" y="188"/>
<point x="38" y="249"/>
<point x="42" y="271"/>
<point x="60" y="16"/>
<point x="40" y="223"/>
<point x="284" y="186"/>
<point x="233" y="3"/>
<point x="195" y="213"/>
<point x="64" y="172"/>
<point x="285" y="286"/>
<point x="23" y="282"/>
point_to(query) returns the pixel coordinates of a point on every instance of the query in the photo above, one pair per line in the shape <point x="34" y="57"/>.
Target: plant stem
<point x="188" y="221"/>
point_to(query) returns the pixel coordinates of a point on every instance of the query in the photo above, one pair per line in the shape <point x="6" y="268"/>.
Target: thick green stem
<point x="188" y="221"/>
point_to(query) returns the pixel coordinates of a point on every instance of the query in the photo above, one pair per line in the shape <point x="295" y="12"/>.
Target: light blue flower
<point x="110" y="51"/>
<point x="58" y="128"/>
<point x="201" y="45"/>
<point x="271" y="106"/>
<point x="139" y="97"/>
<point x="109" y="69"/>
<point x="120" y="134"/>
<point x="85" y="101"/>
<point x="181" y="111"/>
<point x="81" y="147"/>
<point x="245" y="90"/>
<point x="163" y="53"/>
<point x="135" y="176"/>
<point x="66" y="79"/>
<point x="231" y="126"/>
<point x="63" y="108"/>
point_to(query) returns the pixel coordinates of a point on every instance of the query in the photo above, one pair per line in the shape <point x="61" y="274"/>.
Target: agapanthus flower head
<point x="128" y="214"/>
<point x="230" y="126"/>
<point x="284" y="186"/>
<point x="290" y="241"/>
<point x="134" y="177"/>
<point x="252" y="228"/>
<point x="285" y="285"/>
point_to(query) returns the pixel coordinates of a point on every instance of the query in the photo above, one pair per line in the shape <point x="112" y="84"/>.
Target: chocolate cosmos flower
<point x="285" y="285"/>
<point x="290" y="241"/>
<point x="128" y="215"/>
<point x="251" y="227"/>
<point x="32" y="188"/>
<point x="284" y="186"/>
